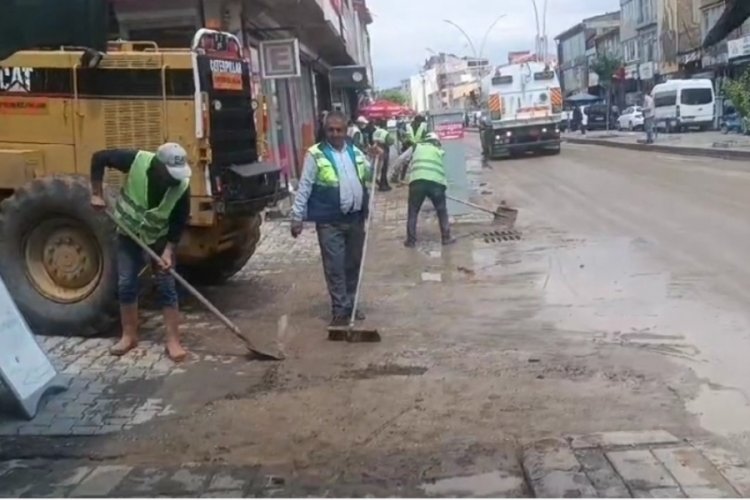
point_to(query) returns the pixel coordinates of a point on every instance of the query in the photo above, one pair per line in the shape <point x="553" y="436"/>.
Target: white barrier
<point x="24" y="367"/>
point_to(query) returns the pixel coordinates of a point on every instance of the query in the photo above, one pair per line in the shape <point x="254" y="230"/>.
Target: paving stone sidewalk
<point x="652" y="464"/>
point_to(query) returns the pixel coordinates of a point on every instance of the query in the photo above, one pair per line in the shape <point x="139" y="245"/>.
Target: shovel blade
<point x="506" y="215"/>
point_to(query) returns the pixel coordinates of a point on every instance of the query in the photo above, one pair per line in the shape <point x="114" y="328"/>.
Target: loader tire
<point x="58" y="258"/>
<point x="221" y="267"/>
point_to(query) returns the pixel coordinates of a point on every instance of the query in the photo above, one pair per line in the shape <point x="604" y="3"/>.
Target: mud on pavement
<point x="488" y="346"/>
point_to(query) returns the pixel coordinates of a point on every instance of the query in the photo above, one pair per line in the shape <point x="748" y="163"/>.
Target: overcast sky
<point x="403" y="30"/>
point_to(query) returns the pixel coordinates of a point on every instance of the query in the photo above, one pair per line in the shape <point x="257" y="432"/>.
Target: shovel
<point x="503" y="214"/>
<point x="252" y="350"/>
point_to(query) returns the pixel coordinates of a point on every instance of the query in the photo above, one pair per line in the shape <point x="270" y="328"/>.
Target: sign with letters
<point x="226" y="75"/>
<point x="280" y="59"/>
<point x="24" y="367"/>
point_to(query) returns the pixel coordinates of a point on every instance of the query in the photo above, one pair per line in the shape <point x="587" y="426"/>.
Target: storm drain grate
<point x="501" y="236"/>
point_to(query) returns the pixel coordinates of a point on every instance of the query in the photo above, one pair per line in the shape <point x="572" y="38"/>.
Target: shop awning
<point x="735" y="14"/>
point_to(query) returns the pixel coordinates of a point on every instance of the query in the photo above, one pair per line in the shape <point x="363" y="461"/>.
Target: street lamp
<point x="477" y="55"/>
<point x="541" y="30"/>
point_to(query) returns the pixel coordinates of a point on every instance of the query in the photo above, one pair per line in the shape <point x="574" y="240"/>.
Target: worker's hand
<point x="98" y="202"/>
<point x="167" y="259"/>
<point x="374" y="151"/>
<point x="297" y="227"/>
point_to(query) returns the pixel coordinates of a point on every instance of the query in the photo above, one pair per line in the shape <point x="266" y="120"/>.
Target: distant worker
<point x="648" y="118"/>
<point x="415" y="132"/>
<point x="383" y="139"/>
<point x="427" y="179"/>
<point x="333" y="193"/>
<point x="359" y="133"/>
<point x="154" y="204"/>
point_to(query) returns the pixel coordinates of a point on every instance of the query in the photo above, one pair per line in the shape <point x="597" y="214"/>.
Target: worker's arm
<point x="304" y="189"/>
<point x="119" y="159"/>
<point x="178" y="219"/>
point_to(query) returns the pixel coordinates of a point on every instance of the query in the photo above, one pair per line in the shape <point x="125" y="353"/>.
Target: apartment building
<point x="576" y="46"/>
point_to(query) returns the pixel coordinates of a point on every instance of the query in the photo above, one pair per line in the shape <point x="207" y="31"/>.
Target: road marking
<point x="678" y="158"/>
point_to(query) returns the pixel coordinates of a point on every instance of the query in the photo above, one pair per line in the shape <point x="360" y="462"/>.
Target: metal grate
<point x="130" y="124"/>
<point x="500" y="236"/>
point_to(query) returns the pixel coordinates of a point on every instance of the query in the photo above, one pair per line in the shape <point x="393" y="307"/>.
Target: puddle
<point x="722" y="411"/>
<point x="491" y="484"/>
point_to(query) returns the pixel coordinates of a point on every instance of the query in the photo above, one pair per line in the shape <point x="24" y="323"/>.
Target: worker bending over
<point x="154" y="205"/>
<point x="427" y="180"/>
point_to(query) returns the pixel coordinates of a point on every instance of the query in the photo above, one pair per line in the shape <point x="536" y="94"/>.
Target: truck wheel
<point x="58" y="258"/>
<point x="221" y="267"/>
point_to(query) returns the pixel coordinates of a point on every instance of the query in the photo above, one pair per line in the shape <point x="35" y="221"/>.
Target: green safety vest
<point x="327" y="173"/>
<point x="427" y="164"/>
<point x="132" y="210"/>
<point x="419" y="135"/>
<point x="381" y="135"/>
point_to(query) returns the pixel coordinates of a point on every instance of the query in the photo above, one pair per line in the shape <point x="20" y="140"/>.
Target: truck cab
<point x="522" y="110"/>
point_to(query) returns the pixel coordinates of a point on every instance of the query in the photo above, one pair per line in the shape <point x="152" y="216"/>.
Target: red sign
<point x="450" y="131"/>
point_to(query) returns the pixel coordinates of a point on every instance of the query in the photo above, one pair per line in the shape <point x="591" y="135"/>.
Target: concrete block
<point x="62" y="426"/>
<point x="601" y="474"/>
<point x="227" y="481"/>
<point x="734" y="469"/>
<point x="223" y="494"/>
<point x="189" y="480"/>
<point x="641" y="470"/>
<point x="659" y="493"/>
<point x="141" y="482"/>
<point x="75" y="477"/>
<point x="690" y="468"/>
<point x="707" y="492"/>
<point x="614" y="439"/>
<point x="101" y="481"/>
<point x="554" y="471"/>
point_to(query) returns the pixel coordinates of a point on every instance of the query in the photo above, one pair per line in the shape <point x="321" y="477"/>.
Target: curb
<point x="725" y="154"/>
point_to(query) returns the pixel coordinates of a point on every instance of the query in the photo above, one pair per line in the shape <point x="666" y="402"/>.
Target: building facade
<point x="447" y="81"/>
<point x="575" y="48"/>
<point x="334" y="45"/>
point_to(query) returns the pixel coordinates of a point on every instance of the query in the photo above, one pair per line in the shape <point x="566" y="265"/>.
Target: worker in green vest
<point x="427" y="180"/>
<point x="416" y="132"/>
<point x="383" y="139"/>
<point x="154" y="205"/>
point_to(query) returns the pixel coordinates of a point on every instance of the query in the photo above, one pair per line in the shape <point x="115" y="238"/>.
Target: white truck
<point x="522" y="110"/>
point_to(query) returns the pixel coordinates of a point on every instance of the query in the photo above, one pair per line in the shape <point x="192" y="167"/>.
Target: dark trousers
<point x="383" y="182"/>
<point x="341" y="246"/>
<point x="418" y="191"/>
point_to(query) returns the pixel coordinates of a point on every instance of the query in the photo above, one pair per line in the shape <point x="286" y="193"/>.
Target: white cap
<point x="174" y="157"/>
<point x="432" y="136"/>
<point x="362" y="120"/>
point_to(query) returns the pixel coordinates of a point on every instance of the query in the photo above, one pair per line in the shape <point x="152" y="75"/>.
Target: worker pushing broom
<point x="334" y="193"/>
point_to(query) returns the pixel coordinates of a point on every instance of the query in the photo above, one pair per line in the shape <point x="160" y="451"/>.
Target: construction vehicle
<point x="58" y="107"/>
<point x="522" y="110"/>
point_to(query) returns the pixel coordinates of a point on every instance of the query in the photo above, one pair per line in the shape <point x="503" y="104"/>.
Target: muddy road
<point x="624" y="307"/>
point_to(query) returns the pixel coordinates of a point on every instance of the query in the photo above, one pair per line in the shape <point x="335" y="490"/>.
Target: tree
<point x="394" y="95"/>
<point x="738" y="91"/>
<point x="605" y="66"/>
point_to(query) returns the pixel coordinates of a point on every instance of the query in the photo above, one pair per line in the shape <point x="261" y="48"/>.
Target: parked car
<point x="631" y="119"/>
<point x="595" y="117"/>
<point x="683" y="104"/>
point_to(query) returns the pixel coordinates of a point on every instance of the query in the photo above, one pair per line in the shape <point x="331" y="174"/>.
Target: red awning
<point x="385" y="109"/>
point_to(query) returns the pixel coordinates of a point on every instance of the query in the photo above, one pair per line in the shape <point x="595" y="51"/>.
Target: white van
<point x="683" y="104"/>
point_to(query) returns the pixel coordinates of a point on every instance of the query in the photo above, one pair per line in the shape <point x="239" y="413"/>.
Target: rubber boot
<point x="174" y="348"/>
<point x="129" y="322"/>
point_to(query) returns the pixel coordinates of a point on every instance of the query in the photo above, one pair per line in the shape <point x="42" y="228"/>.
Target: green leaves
<point x="738" y="90"/>
<point x="605" y="66"/>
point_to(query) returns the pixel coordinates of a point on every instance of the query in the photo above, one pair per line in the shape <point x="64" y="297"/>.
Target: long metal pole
<point x="468" y="38"/>
<point x="487" y="34"/>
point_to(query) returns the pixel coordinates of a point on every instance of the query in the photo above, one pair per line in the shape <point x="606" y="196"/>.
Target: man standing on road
<point x="427" y="180"/>
<point x="154" y="204"/>
<point x="648" y="117"/>
<point x="333" y="193"/>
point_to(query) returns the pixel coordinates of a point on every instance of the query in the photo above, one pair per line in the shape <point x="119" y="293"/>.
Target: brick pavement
<point x="649" y="464"/>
